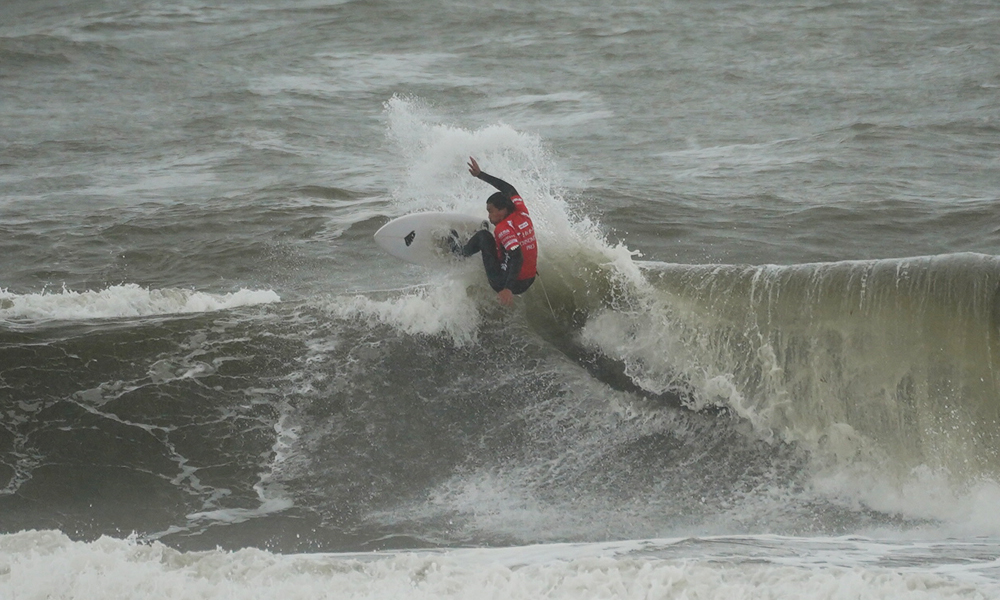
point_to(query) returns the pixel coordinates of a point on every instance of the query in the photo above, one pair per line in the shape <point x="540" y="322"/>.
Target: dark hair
<point x="502" y="201"/>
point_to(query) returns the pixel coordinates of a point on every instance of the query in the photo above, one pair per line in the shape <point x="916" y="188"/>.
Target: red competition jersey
<point x="517" y="231"/>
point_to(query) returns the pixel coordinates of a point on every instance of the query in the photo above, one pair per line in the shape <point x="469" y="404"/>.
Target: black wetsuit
<point x="501" y="274"/>
<point x="502" y="268"/>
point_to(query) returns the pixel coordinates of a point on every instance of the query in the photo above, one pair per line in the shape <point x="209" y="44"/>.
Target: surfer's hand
<point x="474" y="167"/>
<point x="506" y="297"/>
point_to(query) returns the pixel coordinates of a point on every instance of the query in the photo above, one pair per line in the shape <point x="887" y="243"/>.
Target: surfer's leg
<point x="482" y="241"/>
<point x="491" y="264"/>
<point x="521" y="285"/>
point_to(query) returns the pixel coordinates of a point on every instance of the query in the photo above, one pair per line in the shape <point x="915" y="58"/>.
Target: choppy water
<point x="760" y="360"/>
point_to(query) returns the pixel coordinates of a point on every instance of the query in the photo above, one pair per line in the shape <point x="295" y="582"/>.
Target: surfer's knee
<point x="521" y="285"/>
<point x="481" y="241"/>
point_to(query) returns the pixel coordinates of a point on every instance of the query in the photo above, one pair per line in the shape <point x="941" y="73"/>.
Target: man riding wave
<point x="510" y="254"/>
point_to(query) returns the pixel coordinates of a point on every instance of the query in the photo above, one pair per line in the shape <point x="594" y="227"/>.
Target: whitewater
<point x="760" y="360"/>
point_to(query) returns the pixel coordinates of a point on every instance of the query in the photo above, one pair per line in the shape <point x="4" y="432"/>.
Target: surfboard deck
<point x="422" y="238"/>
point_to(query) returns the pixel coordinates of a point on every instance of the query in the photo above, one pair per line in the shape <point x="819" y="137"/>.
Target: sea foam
<point x="47" y="564"/>
<point x="126" y="300"/>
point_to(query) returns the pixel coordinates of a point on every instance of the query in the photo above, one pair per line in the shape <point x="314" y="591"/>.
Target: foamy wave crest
<point x="128" y="300"/>
<point x="47" y="564"/>
<point x="579" y="267"/>
<point x="436" y="177"/>
<point x="441" y="309"/>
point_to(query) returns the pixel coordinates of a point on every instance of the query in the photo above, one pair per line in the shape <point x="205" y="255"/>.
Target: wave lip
<point x="125" y="300"/>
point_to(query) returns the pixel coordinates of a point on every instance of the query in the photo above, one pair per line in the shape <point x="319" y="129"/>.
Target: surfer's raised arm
<point x="504" y="187"/>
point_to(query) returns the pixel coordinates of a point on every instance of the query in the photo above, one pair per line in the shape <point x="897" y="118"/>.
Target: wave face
<point x="886" y="367"/>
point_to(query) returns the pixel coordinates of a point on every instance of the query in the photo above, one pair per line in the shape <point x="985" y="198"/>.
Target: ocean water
<point x="761" y="359"/>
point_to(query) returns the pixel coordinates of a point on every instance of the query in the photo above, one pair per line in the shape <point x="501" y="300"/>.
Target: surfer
<point x="511" y="252"/>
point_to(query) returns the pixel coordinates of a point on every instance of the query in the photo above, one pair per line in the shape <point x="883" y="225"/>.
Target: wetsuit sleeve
<point x="511" y="266"/>
<point x="504" y="187"/>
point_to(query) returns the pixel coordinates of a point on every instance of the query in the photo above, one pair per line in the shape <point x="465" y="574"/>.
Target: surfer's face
<point x="496" y="214"/>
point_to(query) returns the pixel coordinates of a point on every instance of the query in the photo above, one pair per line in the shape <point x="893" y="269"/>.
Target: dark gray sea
<point x="762" y="358"/>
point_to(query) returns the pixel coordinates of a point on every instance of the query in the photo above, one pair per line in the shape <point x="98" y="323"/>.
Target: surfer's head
<point x="499" y="207"/>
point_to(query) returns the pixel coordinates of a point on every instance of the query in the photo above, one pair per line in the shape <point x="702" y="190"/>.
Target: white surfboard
<point x="422" y="238"/>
